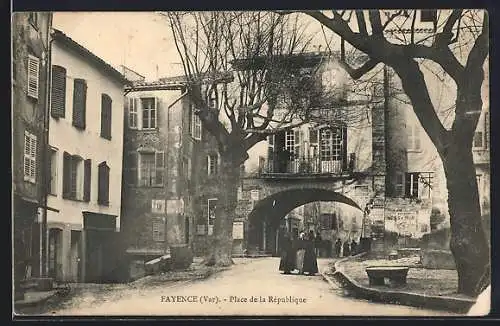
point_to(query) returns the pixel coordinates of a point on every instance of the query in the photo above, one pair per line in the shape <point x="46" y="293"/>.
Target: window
<point x="212" y="98"/>
<point x="328" y="221"/>
<point x="76" y="177"/>
<point x="331" y="144"/>
<point x="399" y="185"/>
<point x="53" y="171"/>
<point x="130" y="168"/>
<point x="195" y="125"/>
<point x="149" y="113"/>
<point x="151" y="166"/>
<point x="103" y="190"/>
<point x="186" y="166"/>
<point x="30" y="151"/>
<point x="411" y="185"/>
<point x="132" y="113"/>
<point x="212" y="205"/>
<point x="428" y="16"/>
<point x="33" y="76"/>
<point x="158" y="231"/>
<point x="414" y="138"/>
<point x="254" y="194"/>
<point x="157" y="206"/>
<point x="212" y="162"/>
<point x="33" y="19"/>
<point x="79" y="103"/>
<point x="480" y="136"/>
<point x="106" y="104"/>
<point x="58" y="96"/>
<point x="290" y="141"/>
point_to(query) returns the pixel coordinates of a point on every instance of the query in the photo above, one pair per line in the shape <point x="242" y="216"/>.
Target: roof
<point x="69" y="42"/>
<point x="295" y="61"/>
<point x="175" y="82"/>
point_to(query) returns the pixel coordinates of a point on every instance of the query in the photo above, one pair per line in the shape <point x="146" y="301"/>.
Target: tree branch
<point x="357" y="73"/>
<point x="376" y="23"/>
<point x="360" y="17"/>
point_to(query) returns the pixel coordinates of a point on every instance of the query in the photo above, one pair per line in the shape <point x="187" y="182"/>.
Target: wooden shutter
<point x="344" y="148"/>
<point x="103" y="176"/>
<point x="159" y="167"/>
<point x="87" y="168"/>
<point x="66" y="175"/>
<point x="79" y="103"/>
<point x="106" y="104"/>
<point x="58" y="96"/>
<point x="486" y="130"/>
<point x="33" y="76"/>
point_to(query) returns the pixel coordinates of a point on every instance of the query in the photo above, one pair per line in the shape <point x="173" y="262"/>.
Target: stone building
<point x="171" y="166"/>
<point x="85" y="164"/>
<point x="30" y="62"/>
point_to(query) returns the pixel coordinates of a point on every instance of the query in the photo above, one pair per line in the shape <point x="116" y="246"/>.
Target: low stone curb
<point x="458" y="305"/>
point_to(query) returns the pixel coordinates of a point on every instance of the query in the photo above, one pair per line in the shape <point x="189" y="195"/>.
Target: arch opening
<point x="270" y="218"/>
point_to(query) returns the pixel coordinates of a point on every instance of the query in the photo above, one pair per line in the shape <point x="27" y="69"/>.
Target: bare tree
<point x="244" y="60"/>
<point x="459" y="46"/>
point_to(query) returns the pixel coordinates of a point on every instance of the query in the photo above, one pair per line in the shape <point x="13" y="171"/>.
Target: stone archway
<point x="265" y="218"/>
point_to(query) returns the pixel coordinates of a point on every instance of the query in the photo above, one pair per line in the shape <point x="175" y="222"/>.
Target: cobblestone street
<point x="230" y="293"/>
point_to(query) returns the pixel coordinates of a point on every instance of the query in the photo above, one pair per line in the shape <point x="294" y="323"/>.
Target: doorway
<point x="55" y="254"/>
<point x="76" y="256"/>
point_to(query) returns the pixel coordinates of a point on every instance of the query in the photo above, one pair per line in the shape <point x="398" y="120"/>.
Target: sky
<point x="142" y="41"/>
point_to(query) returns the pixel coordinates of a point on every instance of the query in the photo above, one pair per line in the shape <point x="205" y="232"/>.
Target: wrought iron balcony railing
<point x="305" y="166"/>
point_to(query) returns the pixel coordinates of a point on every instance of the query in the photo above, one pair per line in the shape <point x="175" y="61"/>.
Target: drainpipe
<point x="45" y="157"/>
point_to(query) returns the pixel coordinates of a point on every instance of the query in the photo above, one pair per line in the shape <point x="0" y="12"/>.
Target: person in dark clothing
<point x="345" y="249"/>
<point x="338" y="248"/>
<point x="287" y="261"/>
<point x="354" y="247"/>
<point x="318" y="242"/>
<point x="310" y="262"/>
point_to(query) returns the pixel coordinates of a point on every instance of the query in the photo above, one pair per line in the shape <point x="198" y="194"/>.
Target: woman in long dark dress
<point x="287" y="261"/>
<point x="310" y="262"/>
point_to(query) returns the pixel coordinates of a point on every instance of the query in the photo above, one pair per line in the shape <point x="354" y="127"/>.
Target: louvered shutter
<point x="33" y="76"/>
<point x="487" y="130"/>
<point x="27" y="156"/>
<point x="66" y="175"/>
<point x="79" y="103"/>
<point x="344" y="148"/>
<point x="106" y="104"/>
<point x="159" y="164"/>
<point x="103" y="193"/>
<point x="58" y="96"/>
<point x="87" y="180"/>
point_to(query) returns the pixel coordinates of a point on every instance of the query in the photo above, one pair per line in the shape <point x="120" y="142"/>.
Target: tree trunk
<point x="222" y="246"/>
<point x="468" y="240"/>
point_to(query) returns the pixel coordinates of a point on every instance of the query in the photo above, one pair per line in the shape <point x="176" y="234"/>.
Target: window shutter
<point x="87" y="180"/>
<point x="106" y="104"/>
<point x="66" y="175"/>
<point x="79" y="103"/>
<point x="27" y="156"/>
<point x="296" y="144"/>
<point x="159" y="164"/>
<point x="344" y="148"/>
<point x="154" y="114"/>
<point x="58" y="96"/>
<point x="415" y="184"/>
<point x="407" y="184"/>
<point x="33" y="76"/>
<point x="416" y="136"/>
<point x="103" y="192"/>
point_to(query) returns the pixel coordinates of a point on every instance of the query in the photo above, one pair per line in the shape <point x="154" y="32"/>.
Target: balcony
<point x="305" y="167"/>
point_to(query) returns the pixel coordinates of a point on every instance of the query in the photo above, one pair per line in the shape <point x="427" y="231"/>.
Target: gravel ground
<point x="420" y="280"/>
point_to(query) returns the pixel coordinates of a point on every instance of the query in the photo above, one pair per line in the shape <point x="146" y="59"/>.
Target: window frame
<point x="151" y="117"/>
<point x="196" y="125"/>
<point x="211" y="158"/>
<point x="158" y="234"/>
<point x="30" y="157"/>
<point x="153" y="183"/>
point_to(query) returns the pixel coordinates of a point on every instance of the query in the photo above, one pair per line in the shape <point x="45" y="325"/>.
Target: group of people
<point x="299" y="253"/>
<point x="345" y="249"/>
